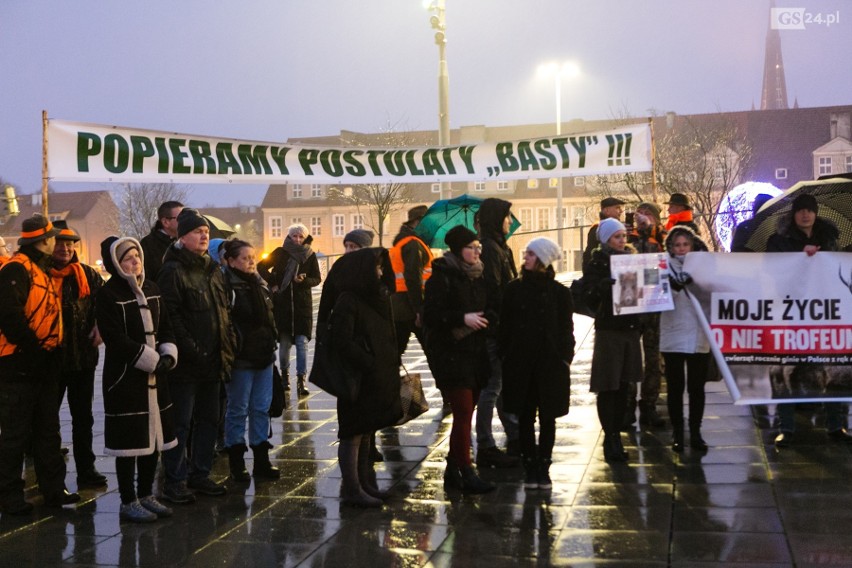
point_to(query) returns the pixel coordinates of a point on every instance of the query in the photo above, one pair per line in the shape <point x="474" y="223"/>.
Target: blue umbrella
<point x="445" y="214"/>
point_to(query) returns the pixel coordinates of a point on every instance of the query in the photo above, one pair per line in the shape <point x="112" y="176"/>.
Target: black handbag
<point x="276" y="407"/>
<point x="579" y="297"/>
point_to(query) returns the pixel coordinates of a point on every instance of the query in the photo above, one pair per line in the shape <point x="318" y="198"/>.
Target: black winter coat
<point x="154" y="246"/>
<point x="78" y="319"/>
<point x="597" y="276"/>
<point x="496" y="255"/>
<point x="450" y="294"/>
<point x="254" y="324"/>
<point x="293" y="305"/>
<point x="196" y="298"/>
<point x="138" y="419"/>
<point x="789" y="238"/>
<point x="536" y="343"/>
<point x="362" y="333"/>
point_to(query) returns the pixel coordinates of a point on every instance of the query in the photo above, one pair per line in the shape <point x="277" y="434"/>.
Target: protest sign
<point x="781" y="323"/>
<point x="641" y="283"/>
<point x="92" y="152"/>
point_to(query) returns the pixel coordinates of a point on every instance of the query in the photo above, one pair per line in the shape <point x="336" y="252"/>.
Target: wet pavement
<point x="741" y="504"/>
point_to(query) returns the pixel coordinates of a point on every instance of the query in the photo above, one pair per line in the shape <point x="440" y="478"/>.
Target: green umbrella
<point x="445" y="214"/>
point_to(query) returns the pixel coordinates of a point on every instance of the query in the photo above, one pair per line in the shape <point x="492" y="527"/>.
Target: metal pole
<point x="559" y="219"/>
<point x="44" y="171"/>
<point x="443" y="84"/>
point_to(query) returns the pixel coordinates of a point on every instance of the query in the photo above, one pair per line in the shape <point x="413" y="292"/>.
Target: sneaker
<point x="134" y="512"/>
<point x="150" y="503"/>
<point x="207" y="486"/>
<point x="493" y="457"/>
<point x="178" y="494"/>
<point x="91" y="478"/>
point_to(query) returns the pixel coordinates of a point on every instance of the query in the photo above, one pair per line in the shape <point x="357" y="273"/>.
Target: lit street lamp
<point x="568" y="70"/>
<point x="439" y="24"/>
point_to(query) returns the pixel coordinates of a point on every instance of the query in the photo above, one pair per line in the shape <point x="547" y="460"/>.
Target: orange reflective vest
<point x="42" y="309"/>
<point x="398" y="265"/>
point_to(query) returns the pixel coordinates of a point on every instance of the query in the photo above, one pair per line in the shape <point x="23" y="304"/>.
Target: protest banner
<point x="98" y="153"/>
<point x="780" y="323"/>
<point x="641" y="283"/>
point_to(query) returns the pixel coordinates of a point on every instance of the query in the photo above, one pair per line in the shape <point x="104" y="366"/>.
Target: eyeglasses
<point x="477" y="248"/>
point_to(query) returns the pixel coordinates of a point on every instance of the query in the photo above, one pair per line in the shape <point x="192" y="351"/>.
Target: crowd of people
<point x="190" y="330"/>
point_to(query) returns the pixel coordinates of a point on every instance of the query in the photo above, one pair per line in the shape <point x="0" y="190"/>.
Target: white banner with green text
<point x="98" y="153"/>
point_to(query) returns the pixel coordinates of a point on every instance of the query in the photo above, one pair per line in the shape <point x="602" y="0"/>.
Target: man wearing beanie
<point x="803" y="230"/>
<point x="357" y="239"/>
<point x="163" y="234"/>
<point x="411" y="259"/>
<point x="495" y="218"/>
<point x="647" y="236"/>
<point x="30" y="338"/>
<point x="611" y="208"/>
<point x="77" y="285"/>
<point x="193" y="288"/>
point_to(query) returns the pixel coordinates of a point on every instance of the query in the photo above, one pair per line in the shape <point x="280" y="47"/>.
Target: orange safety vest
<point x="42" y="309"/>
<point x="398" y="265"/>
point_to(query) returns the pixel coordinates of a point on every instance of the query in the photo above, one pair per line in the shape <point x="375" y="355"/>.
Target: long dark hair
<point x="233" y="248"/>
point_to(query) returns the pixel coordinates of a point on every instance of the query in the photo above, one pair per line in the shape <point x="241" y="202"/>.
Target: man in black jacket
<point x="31" y="324"/>
<point x="163" y="234"/>
<point x="193" y="288"/>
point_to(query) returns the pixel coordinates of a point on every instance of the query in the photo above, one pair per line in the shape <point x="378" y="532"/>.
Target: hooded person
<point x="457" y="315"/>
<point x="362" y="332"/>
<point x="495" y="219"/>
<point x="30" y="338"/>
<point x="139" y="351"/>
<point x="743" y="231"/>
<point x="536" y="317"/>
<point x="77" y="284"/>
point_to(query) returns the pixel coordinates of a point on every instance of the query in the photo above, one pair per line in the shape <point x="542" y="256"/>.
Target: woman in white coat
<point x="683" y="344"/>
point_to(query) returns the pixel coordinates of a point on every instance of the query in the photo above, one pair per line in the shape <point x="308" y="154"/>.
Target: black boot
<point x="612" y="448"/>
<point x="696" y="442"/>
<point x="301" y="389"/>
<point x="531" y="480"/>
<point x="544" y="481"/>
<point x="237" y="463"/>
<point x="262" y="467"/>
<point x="351" y="491"/>
<point x="366" y="473"/>
<point x="648" y="415"/>
<point x="472" y="483"/>
<point x="285" y="378"/>
<point x="452" y="475"/>
<point x="677" y="440"/>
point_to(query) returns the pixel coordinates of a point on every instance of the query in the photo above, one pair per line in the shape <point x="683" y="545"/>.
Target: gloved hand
<point x="165" y="364"/>
<point x="606" y="283"/>
<point x="679" y="280"/>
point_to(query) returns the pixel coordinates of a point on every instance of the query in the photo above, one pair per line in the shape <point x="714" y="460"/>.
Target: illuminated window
<point x="532" y="184"/>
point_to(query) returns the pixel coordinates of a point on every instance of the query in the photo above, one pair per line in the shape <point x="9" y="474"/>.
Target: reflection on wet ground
<point x="741" y="504"/>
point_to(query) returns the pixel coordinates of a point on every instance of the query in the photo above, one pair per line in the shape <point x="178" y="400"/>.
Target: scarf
<point x="75" y="268"/>
<point x="675" y="218"/>
<point x="298" y="255"/>
<point x="472" y="271"/>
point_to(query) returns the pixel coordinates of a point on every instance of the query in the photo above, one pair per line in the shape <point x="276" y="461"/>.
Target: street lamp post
<point x="567" y="69"/>
<point x="439" y="24"/>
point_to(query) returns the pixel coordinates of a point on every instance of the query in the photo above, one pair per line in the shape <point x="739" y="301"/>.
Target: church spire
<point x="774" y="94"/>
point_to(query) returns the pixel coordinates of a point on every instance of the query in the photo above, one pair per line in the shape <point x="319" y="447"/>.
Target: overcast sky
<point x="274" y="69"/>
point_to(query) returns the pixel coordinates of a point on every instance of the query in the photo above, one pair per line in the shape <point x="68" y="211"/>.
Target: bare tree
<point x="139" y="203"/>
<point x="376" y="201"/>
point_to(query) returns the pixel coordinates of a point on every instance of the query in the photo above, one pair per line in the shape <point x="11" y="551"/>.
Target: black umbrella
<point x="218" y="228"/>
<point x="834" y="196"/>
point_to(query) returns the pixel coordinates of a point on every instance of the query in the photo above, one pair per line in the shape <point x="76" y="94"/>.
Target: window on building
<point x="578" y="216"/>
<point x="316" y="190"/>
<point x="553" y="182"/>
<point x="276" y="227"/>
<point x="436" y="188"/>
<point x="297" y="191"/>
<point x="316" y="226"/>
<point x="719" y="173"/>
<point x="580" y="181"/>
<point x="532" y="184"/>
<point x="502" y="186"/>
<point x="780" y="173"/>
<point x="479" y="186"/>
<point x="339" y="222"/>
<point x="357" y="221"/>
<point x="543" y="214"/>
<point x="848" y="164"/>
<point x="295" y="220"/>
<point x="526" y="218"/>
<point x="825" y="165"/>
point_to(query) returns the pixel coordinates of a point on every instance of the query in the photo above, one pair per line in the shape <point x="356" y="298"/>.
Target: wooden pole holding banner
<point x="44" y="171"/>
<point x="653" y="164"/>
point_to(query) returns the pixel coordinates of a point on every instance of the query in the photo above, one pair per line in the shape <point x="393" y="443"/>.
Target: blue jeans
<point x="835" y="416"/>
<point x="249" y="396"/>
<point x="489" y="399"/>
<point x="285" y="343"/>
<point x="195" y="403"/>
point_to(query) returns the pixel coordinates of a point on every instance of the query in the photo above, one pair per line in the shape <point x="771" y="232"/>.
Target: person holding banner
<point x="684" y="346"/>
<point x="803" y="230"/>
<point x="617" y="356"/>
